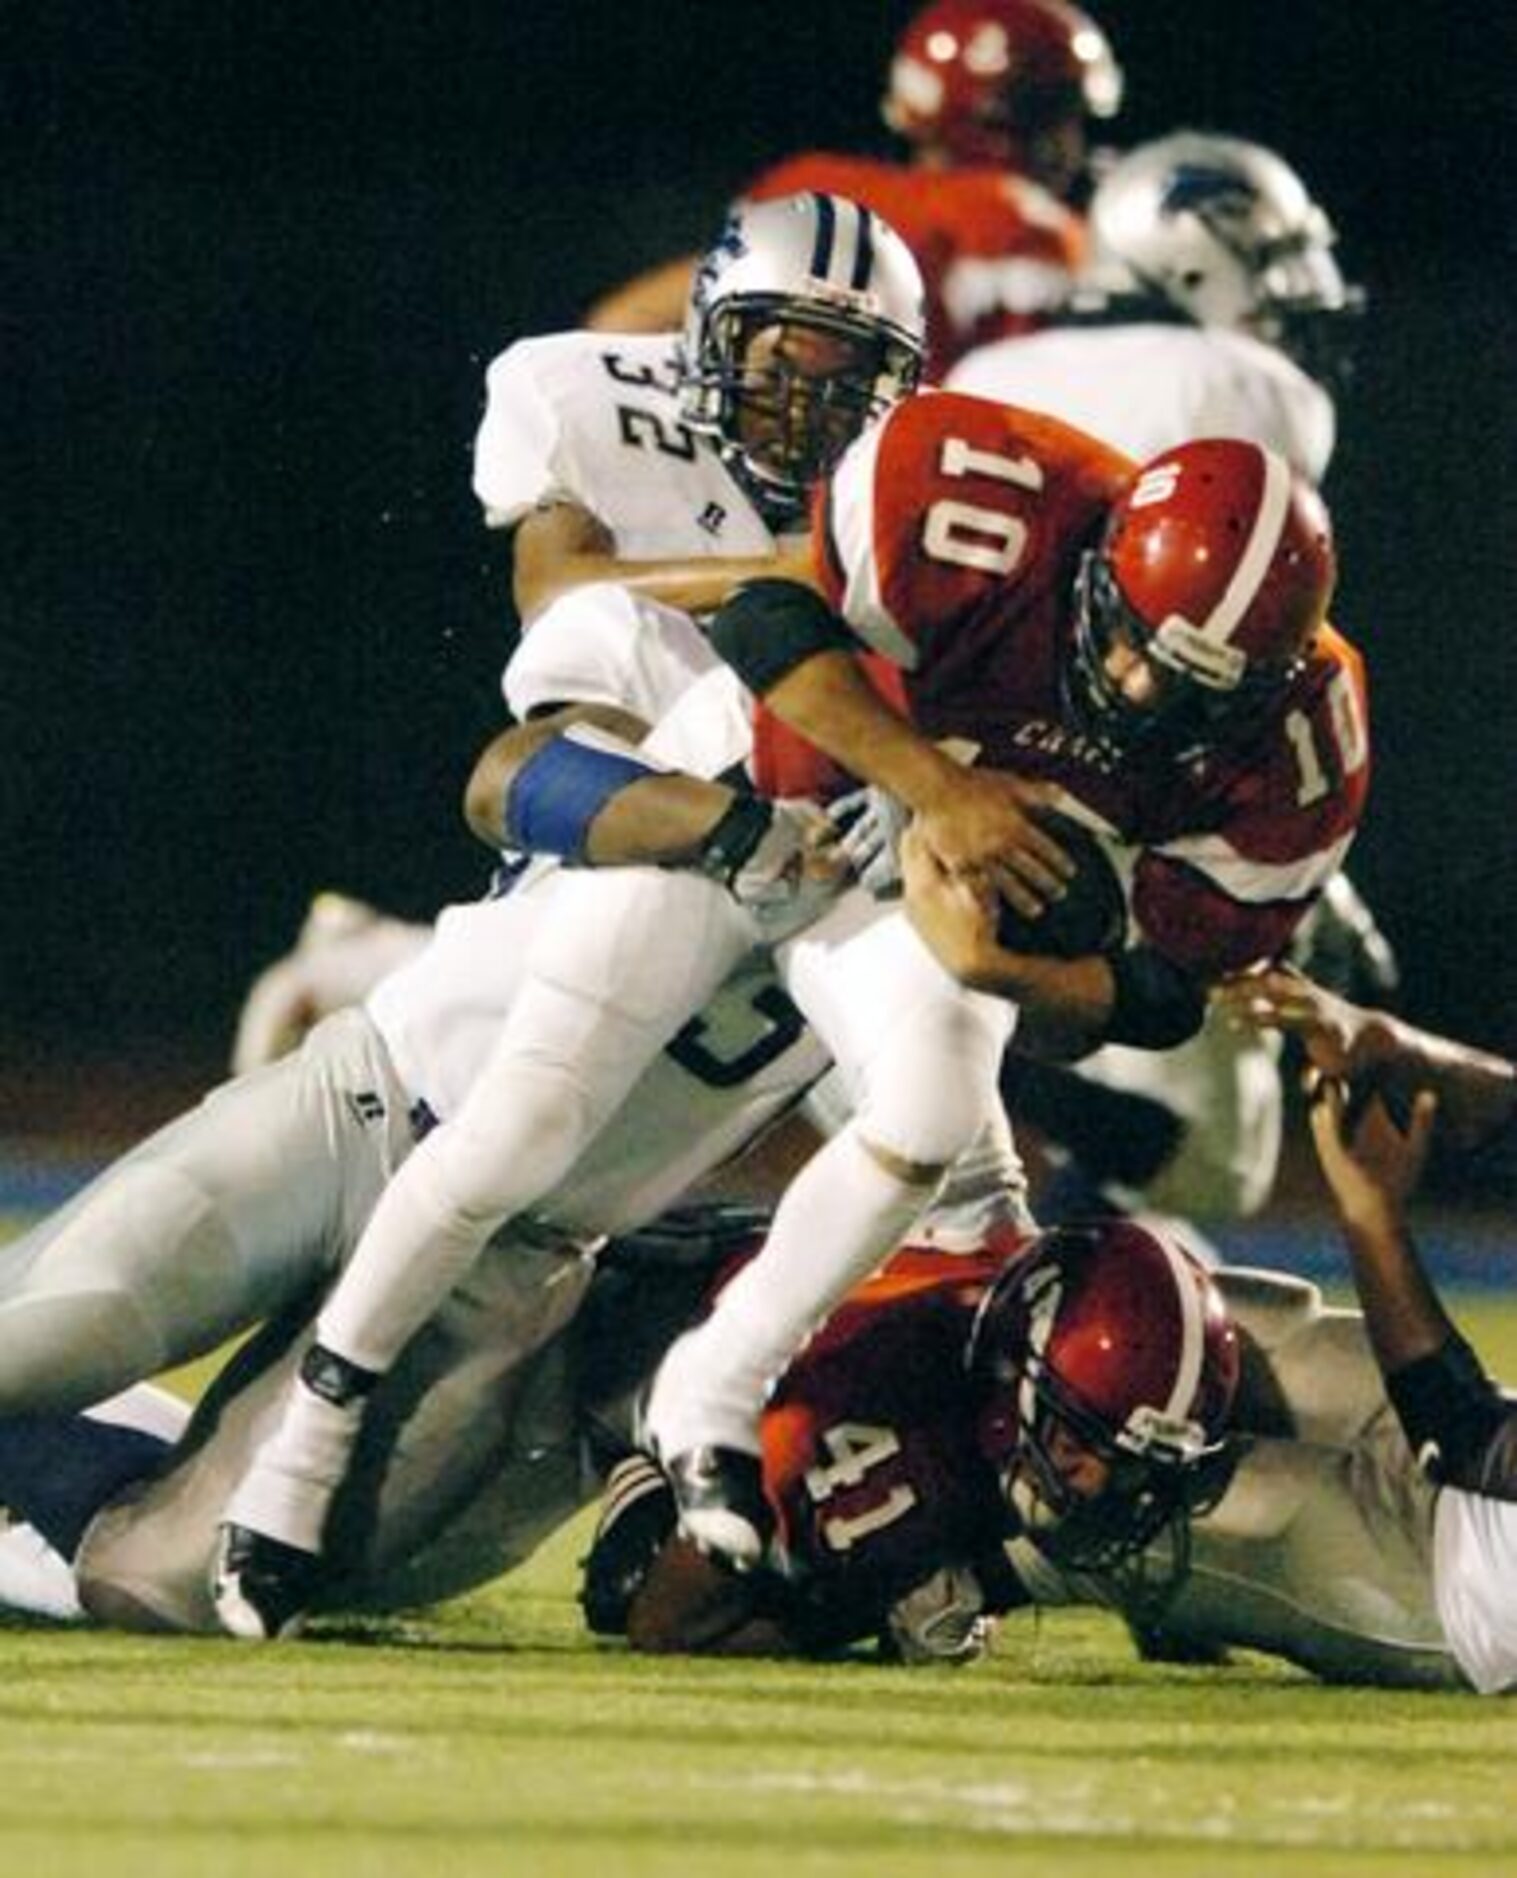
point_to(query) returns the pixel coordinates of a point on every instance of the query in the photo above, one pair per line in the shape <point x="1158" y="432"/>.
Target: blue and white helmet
<point x="811" y="261"/>
<point x="1226" y="233"/>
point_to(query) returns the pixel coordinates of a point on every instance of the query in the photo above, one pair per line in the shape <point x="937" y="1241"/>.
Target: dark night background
<point x="259" y="256"/>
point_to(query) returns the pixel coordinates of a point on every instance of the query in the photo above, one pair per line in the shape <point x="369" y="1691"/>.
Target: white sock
<point x="33" y="1577"/>
<point x="286" y="1492"/>
<point x="839" y="1219"/>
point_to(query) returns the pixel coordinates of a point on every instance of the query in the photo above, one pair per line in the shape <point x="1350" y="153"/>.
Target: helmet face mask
<point x="1104" y="1366"/>
<point x="1150" y="1474"/>
<point x="789" y="392"/>
<point x="806" y="322"/>
<point x="1183" y="714"/>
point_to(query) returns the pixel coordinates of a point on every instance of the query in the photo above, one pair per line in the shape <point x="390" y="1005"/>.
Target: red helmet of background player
<point x="980" y="80"/>
<point x="1214" y="570"/>
<point x="1106" y="1340"/>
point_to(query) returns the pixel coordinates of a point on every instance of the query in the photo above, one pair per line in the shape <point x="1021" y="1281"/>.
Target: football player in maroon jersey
<point x="1149" y="647"/>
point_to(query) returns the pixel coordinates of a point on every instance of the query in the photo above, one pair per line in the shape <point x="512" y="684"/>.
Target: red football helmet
<point x="1213" y="575"/>
<point x="1104" y="1365"/>
<point x="982" y="79"/>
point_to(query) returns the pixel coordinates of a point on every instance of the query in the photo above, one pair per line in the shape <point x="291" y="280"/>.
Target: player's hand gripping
<point x="989" y="824"/>
<point x="1339" y="1038"/>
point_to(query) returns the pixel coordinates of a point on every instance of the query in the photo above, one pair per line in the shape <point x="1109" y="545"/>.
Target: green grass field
<point x="495" y="1736"/>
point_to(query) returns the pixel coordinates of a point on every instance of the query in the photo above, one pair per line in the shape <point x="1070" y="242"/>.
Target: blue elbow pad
<point x="561" y="788"/>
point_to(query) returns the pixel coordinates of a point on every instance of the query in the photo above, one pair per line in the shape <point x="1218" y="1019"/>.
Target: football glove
<point x="941" y="1620"/>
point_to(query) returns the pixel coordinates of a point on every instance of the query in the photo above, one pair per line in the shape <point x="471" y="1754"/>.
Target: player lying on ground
<point x="888" y="1456"/>
<point x="1380" y="1087"/>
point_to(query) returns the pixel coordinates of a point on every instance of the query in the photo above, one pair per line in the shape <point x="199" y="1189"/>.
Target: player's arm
<point x="561" y="545"/>
<point x="642" y="1581"/>
<point x="651" y="302"/>
<point x="574" y="784"/>
<point x="691" y="1605"/>
<point x="1456" y="1420"/>
<point x="1069" y="1005"/>
<point x="795" y="653"/>
<point x="1476" y="1090"/>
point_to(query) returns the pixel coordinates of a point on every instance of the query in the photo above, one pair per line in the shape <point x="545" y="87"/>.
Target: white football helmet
<point x="823" y="265"/>
<point x="1225" y="233"/>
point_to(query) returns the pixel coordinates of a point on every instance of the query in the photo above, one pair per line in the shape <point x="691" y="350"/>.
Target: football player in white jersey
<point x="1212" y="306"/>
<point x="235" y="1210"/>
<point x="640" y="477"/>
<point x="1380" y="1087"/>
<point x="1211" y="299"/>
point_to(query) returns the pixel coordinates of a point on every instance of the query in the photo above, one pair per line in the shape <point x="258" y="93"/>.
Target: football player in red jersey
<point x="992" y="98"/>
<point x="1070" y="1387"/>
<point x="1146" y="646"/>
<point x="1150" y="646"/>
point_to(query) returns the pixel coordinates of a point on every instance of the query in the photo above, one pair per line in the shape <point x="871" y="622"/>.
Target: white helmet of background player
<point x="1225" y="233"/>
<point x="813" y="265"/>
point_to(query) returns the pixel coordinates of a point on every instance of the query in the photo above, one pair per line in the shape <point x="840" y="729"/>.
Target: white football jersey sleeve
<point x="604" y="645"/>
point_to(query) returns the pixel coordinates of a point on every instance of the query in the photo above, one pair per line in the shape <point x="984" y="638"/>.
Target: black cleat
<point x="722" y="1509"/>
<point x="261" y="1587"/>
<point x="1156" y="1643"/>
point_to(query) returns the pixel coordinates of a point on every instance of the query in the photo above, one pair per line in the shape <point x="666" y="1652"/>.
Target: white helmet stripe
<point x="1254" y="562"/>
<point x="1181" y="1404"/>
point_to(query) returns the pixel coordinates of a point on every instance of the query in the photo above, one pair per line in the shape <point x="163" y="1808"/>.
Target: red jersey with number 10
<point x="950" y="537"/>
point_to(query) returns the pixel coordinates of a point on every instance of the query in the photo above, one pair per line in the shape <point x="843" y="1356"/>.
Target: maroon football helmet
<point x="1215" y="569"/>
<point x="981" y="80"/>
<point x="1104" y="1365"/>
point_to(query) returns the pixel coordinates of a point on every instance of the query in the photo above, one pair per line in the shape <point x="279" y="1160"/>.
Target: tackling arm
<point x="561" y="545"/>
<point x="572" y="785"/>
<point x="660" y="817"/>
<point x="792" y="650"/>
